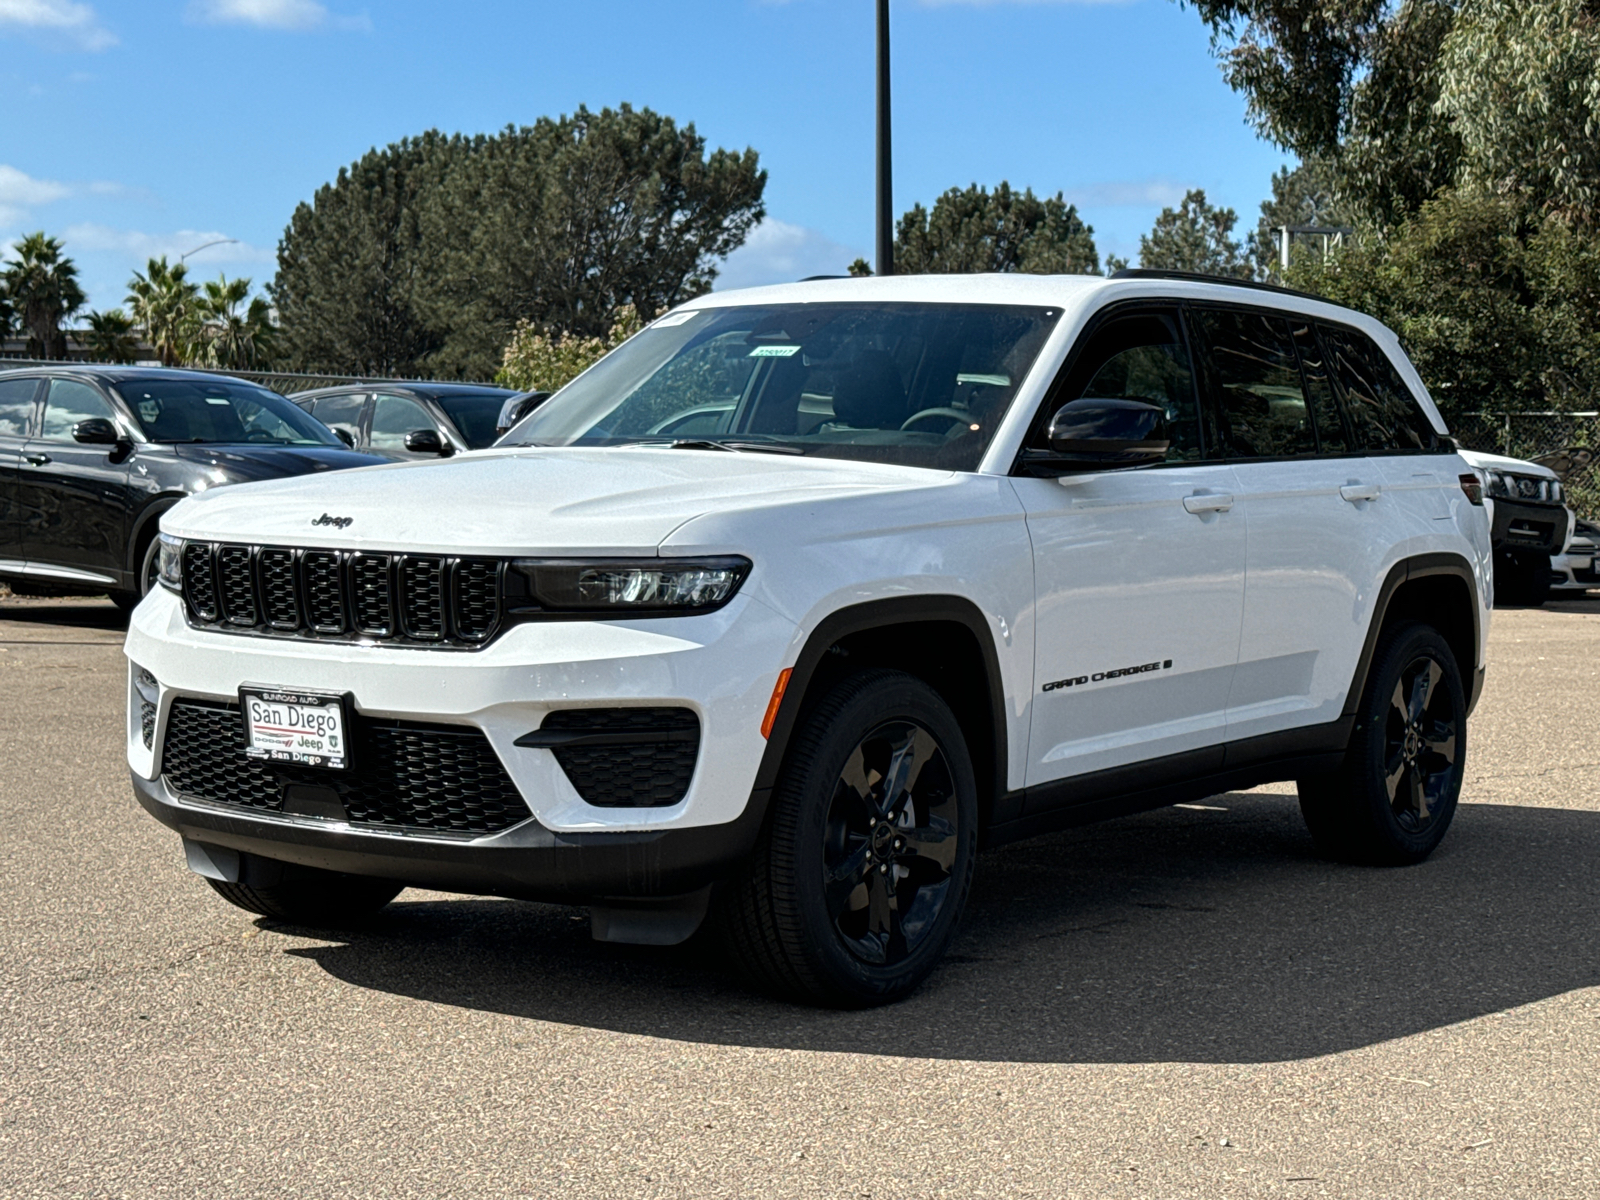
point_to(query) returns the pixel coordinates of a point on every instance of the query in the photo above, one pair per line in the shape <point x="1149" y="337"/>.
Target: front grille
<point x="624" y="757"/>
<point x="406" y="600"/>
<point x="404" y="776"/>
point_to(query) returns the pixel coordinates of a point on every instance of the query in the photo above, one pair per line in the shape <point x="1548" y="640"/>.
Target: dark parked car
<point x="91" y="456"/>
<point x="410" y="420"/>
<point x="515" y="408"/>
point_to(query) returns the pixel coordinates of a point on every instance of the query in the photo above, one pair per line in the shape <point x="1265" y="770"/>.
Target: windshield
<point x="193" y="410"/>
<point x="475" y="415"/>
<point x="919" y="384"/>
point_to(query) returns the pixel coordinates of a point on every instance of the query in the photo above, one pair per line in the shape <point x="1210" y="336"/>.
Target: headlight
<point x="1497" y="484"/>
<point x="170" y="568"/>
<point x="647" y="586"/>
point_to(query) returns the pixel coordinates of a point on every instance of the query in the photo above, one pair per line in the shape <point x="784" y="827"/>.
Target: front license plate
<point x="297" y="727"/>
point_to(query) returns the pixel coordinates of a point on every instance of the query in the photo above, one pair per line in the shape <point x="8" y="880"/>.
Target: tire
<point x="1393" y="799"/>
<point x="309" y="896"/>
<point x="1521" y="580"/>
<point x="855" y="889"/>
<point x="148" y="565"/>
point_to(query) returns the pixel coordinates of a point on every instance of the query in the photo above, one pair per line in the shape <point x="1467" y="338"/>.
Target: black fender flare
<point x="1405" y="571"/>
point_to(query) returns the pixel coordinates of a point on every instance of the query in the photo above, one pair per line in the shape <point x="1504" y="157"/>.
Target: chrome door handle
<point x="36" y="459"/>
<point x="1359" y="491"/>
<point x="1208" y="502"/>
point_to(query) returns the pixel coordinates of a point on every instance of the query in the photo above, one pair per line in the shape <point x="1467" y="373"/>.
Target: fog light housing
<point x="149" y="697"/>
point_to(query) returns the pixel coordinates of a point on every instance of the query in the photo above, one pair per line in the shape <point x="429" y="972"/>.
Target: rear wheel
<point x="1521" y="578"/>
<point x="864" y="865"/>
<point x="310" y="896"/>
<point x="1393" y="798"/>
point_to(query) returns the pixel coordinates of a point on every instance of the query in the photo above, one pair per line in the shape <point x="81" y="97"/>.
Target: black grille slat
<point x="443" y="779"/>
<point x="422" y="598"/>
<point x="279" y="602"/>
<point x="475" y="598"/>
<point x="324" y="586"/>
<point x="236" y="585"/>
<point x="649" y="772"/>
<point x="199" y="581"/>
<point x="370" y="594"/>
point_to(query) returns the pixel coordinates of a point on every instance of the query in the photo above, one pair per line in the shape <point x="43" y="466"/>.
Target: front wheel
<point x="863" y="868"/>
<point x="1393" y="798"/>
<point x="149" y="565"/>
<point x="1521" y="578"/>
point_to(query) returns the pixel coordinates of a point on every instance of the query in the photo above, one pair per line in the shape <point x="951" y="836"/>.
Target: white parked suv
<point x="780" y="612"/>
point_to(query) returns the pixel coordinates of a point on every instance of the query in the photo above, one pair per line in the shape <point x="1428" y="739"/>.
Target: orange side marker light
<point x="771" y="718"/>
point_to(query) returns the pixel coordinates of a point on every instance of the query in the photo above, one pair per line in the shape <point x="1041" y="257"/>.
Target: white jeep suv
<point x="786" y="607"/>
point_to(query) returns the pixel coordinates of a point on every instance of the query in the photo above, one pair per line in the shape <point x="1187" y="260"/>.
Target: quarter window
<point x="1259" y="406"/>
<point x="16" y="406"/>
<point x="70" y="402"/>
<point x="395" y="416"/>
<point x="1384" y="415"/>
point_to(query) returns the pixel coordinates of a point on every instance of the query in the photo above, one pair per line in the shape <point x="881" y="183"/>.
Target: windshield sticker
<point x="677" y="318"/>
<point x="774" y="351"/>
<point x="991" y="380"/>
<point x="222" y="400"/>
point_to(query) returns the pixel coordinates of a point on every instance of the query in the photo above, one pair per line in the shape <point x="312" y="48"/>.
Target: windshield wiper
<point x="759" y="447"/>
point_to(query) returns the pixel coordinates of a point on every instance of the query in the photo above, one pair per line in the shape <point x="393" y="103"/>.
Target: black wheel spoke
<point x="1441" y="741"/>
<point x="932" y="843"/>
<point x="1394" y="770"/>
<point x="846" y="882"/>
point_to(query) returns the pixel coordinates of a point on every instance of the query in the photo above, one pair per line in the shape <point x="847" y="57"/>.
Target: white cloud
<point x="139" y="246"/>
<point x="67" y="20"/>
<point x="20" y="191"/>
<point x="778" y="252"/>
<point x="1127" y="193"/>
<point x="297" y="15"/>
<point x="998" y="3"/>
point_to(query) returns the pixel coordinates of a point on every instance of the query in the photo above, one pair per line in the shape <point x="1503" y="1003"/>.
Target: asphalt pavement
<point x="1182" y="1004"/>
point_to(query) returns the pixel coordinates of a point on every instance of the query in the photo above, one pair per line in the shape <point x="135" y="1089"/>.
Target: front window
<point x="185" y="410"/>
<point x="918" y="384"/>
<point x="474" y="414"/>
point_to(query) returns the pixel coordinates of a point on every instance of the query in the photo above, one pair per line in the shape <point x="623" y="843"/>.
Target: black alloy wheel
<point x="890" y="842"/>
<point x="1392" y="799"/>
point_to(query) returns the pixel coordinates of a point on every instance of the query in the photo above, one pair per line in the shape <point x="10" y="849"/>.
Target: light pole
<point x="208" y="245"/>
<point x="885" y="188"/>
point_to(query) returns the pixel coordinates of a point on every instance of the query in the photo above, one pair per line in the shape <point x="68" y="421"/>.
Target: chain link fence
<point x="1567" y="442"/>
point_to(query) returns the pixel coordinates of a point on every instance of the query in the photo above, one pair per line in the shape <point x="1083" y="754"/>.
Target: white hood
<point x="1499" y="462"/>
<point x="621" y="501"/>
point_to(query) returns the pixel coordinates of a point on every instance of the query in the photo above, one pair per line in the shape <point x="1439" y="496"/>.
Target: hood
<point x="246" y="463"/>
<point x="1499" y="462"/>
<point x="622" y="501"/>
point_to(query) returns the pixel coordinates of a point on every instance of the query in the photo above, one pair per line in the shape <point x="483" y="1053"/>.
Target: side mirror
<point x="1095" y="434"/>
<point x="427" y="441"/>
<point x="345" y="436"/>
<point x="97" y="431"/>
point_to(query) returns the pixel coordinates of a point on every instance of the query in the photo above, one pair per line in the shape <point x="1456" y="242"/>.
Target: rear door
<point x="1139" y="576"/>
<point x="16" y="422"/>
<point x="75" y="501"/>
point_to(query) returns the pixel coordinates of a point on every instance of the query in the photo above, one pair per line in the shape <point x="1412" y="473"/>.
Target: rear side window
<point x="1384" y="415"/>
<point x="16" y="406"/>
<point x="341" y="412"/>
<point x="1259" y="405"/>
<point x="1331" y="435"/>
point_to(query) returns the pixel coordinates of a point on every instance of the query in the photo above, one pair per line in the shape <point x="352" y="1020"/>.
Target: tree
<point x="110" y="337"/>
<point x="225" y="337"/>
<point x="1194" y="237"/>
<point x="977" y="230"/>
<point x="1306" y="195"/>
<point x="538" y="360"/>
<point x="43" y="288"/>
<point x="162" y="302"/>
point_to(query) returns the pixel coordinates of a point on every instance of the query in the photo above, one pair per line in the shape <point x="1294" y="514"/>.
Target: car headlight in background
<point x="170" y="563"/>
<point x="648" y="586"/>
<point x="1496" y="483"/>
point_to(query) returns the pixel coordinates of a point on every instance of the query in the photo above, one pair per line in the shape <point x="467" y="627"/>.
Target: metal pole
<point x="885" y="188"/>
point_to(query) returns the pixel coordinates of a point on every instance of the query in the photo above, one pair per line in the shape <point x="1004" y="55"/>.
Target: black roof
<point x="114" y="373"/>
<point x="1197" y="277"/>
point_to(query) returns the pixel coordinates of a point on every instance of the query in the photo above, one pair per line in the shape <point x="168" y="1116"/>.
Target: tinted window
<point x="341" y="412"/>
<point x="16" y="406"/>
<point x="68" y="403"/>
<point x="204" y="410"/>
<point x="1319" y="390"/>
<point x="1140" y="356"/>
<point x="1258" y="405"/>
<point x="395" y="416"/>
<point x="1384" y="415"/>
<point x="918" y="384"/>
<point x="474" y="415"/>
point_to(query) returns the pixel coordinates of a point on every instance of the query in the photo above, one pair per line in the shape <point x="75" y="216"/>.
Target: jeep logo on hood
<point x="336" y="522"/>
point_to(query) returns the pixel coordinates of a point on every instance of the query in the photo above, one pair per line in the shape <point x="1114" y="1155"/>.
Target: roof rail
<point x="814" y="278"/>
<point x="1197" y="277"/>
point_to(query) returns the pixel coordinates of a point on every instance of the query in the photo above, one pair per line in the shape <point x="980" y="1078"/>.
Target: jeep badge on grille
<point x="336" y="522"/>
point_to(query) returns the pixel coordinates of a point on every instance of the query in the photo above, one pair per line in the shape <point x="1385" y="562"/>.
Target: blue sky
<point x="139" y="127"/>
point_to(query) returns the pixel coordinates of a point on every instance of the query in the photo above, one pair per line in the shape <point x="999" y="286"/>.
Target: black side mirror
<point x="97" y="431"/>
<point x="1095" y="434"/>
<point x="515" y="408"/>
<point x="345" y="436"/>
<point x="428" y="441"/>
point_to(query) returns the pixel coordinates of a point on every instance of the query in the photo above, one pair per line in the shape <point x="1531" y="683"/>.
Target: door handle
<point x="37" y="459"/>
<point x="1208" y="502"/>
<point x="1359" y="491"/>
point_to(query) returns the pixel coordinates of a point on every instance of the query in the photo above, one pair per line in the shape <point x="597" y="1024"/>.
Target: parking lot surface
<point x="1182" y="1004"/>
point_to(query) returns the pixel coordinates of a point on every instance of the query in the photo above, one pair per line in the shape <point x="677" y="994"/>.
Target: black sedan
<point x="409" y="420"/>
<point x="91" y="456"/>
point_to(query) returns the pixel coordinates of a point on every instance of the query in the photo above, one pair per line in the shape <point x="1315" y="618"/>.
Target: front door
<point x="1138" y="575"/>
<point x="16" y="419"/>
<point x="75" y="497"/>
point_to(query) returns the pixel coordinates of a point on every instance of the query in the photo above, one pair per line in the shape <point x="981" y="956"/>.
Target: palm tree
<point x="226" y="338"/>
<point x="43" y="285"/>
<point x="163" y="304"/>
<point x="110" y="337"/>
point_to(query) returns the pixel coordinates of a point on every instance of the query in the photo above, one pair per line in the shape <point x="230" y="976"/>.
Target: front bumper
<point x="1538" y="528"/>
<point x="527" y="862"/>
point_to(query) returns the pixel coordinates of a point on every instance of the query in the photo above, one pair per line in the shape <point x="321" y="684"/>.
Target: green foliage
<point x="539" y="360"/>
<point x="162" y="301"/>
<point x="1195" y="236"/>
<point x="1306" y="195"/>
<point x="222" y="335"/>
<point x="977" y="230"/>
<point x="110" y="337"/>
<point x="423" y="258"/>
<point x="859" y="269"/>
<point x="42" y="285"/>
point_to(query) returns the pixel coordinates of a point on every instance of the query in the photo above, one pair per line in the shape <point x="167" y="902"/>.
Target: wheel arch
<point x="1441" y="590"/>
<point x="145" y="526"/>
<point x="897" y="633"/>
